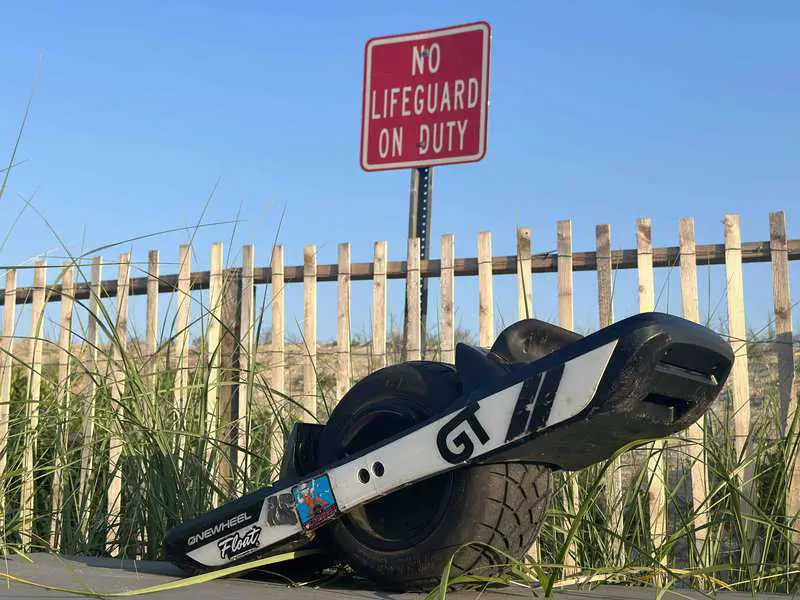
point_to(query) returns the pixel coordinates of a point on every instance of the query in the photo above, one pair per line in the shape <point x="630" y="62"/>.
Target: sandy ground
<point x="113" y="575"/>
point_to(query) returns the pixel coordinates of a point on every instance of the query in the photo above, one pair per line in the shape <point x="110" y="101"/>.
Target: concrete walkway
<point x="111" y="575"/>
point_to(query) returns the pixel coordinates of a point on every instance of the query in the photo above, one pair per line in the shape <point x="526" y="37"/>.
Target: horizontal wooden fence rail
<point x="547" y="262"/>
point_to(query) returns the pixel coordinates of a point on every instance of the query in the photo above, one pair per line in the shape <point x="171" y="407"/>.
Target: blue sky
<point x="600" y="112"/>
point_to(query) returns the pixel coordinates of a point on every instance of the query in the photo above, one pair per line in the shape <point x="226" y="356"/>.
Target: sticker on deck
<point x="315" y="502"/>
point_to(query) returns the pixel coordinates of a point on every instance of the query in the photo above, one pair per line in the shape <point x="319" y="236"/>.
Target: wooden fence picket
<point x="656" y="464"/>
<point x="34" y="387"/>
<point x="117" y="389"/>
<point x="247" y="366"/>
<point x="309" y="404"/>
<point x="379" y="293"/>
<point x="614" y="476"/>
<point x="485" y="292"/>
<point x="213" y="328"/>
<point x="525" y="311"/>
<point x="644" y="269"/>
<point x="605" y="281"/>
<point x="524" y="274"/>
<point x="564" y="262"/>
<point x="740" y="373"/>
<point x="88" y="409"/>
<point x="695" y="435"/>
<point x="150" y="358"/>
<point x="343" y="361"/>
<point x="6" y="366"/>
<point x="565" y="320"/>
<point x="64" y="409"/>
<point x="782" y="301"/>
<point x="737" y="332"/>
<point x="181" y="389"/>
<point x="413" y="291"/>
<point x="689" y="297"/>
<point x="229" y="366"/>
<point x="784" y="348"/>
<point x="151" y="324"/>
<point x="277" y="360"/>
<point x="447" y="334"/>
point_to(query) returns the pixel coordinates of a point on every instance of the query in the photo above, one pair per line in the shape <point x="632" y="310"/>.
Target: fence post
<point x="63" y="403"/>
<point x="181" y="391"/>
<point x="689" y="297"/>
<point x="277" y="361"/>
<point x="564" y="252"/>
<point x="644" y="265"/>
<point x="379" y="306"/>
<point x="485" y="292"/>
<point x="215" y="290"/>
<point x="696" y="433"/>
<point x="6" y="366"/>
<point x="229" y="375"/>
<point x="656" y="465"/>
<point x="447" y="292"/>
<point x="34" y="386"/>
<point x="605" y="303"/>
<point x="565" y="319"/>
<point x="309" y="405"/>
<point x="241" y="416"/>
<point x="605" y="282"/>
<point x="343" y="369"/>
<point x="150" y="349"/>
<point x="117" y="384"/>
<point x="784" y="348"/>
<point x="151" y="325"/>
<point x="737" y="332"/>
<point x="525" y="311"/>
<point x="524" y="274"/>
<point x="87" y="426"/>
<point x="413" y="330"/>
<point x="740" y="374"/>
<point x="781" y="293"/>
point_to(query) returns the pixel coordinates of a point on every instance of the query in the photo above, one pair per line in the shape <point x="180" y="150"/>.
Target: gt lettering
<point x="455" y="439"/>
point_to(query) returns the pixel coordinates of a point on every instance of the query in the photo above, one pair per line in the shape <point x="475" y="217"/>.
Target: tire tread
<point x="524" y="481"/>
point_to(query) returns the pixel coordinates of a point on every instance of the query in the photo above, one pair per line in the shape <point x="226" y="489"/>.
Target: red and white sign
<point x="426" y="98"/>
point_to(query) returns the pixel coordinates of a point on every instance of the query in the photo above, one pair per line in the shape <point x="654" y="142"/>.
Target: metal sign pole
<point x="419" y="225"/>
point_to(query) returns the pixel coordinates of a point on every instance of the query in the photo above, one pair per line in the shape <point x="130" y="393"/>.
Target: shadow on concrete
<point x="150" y="567"/>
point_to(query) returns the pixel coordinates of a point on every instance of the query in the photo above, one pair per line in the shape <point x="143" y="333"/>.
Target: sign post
<point x="425" y="103"/>
<point x="419" y="225"/>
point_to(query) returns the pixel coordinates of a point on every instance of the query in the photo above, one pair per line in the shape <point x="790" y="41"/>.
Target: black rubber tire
<point x="498" y="505"/>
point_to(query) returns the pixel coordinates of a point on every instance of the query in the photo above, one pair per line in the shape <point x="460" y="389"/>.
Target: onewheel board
<point x="419" y="457"/>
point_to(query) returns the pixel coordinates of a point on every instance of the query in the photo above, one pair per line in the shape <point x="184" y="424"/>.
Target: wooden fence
<point x="230" y="317"/>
